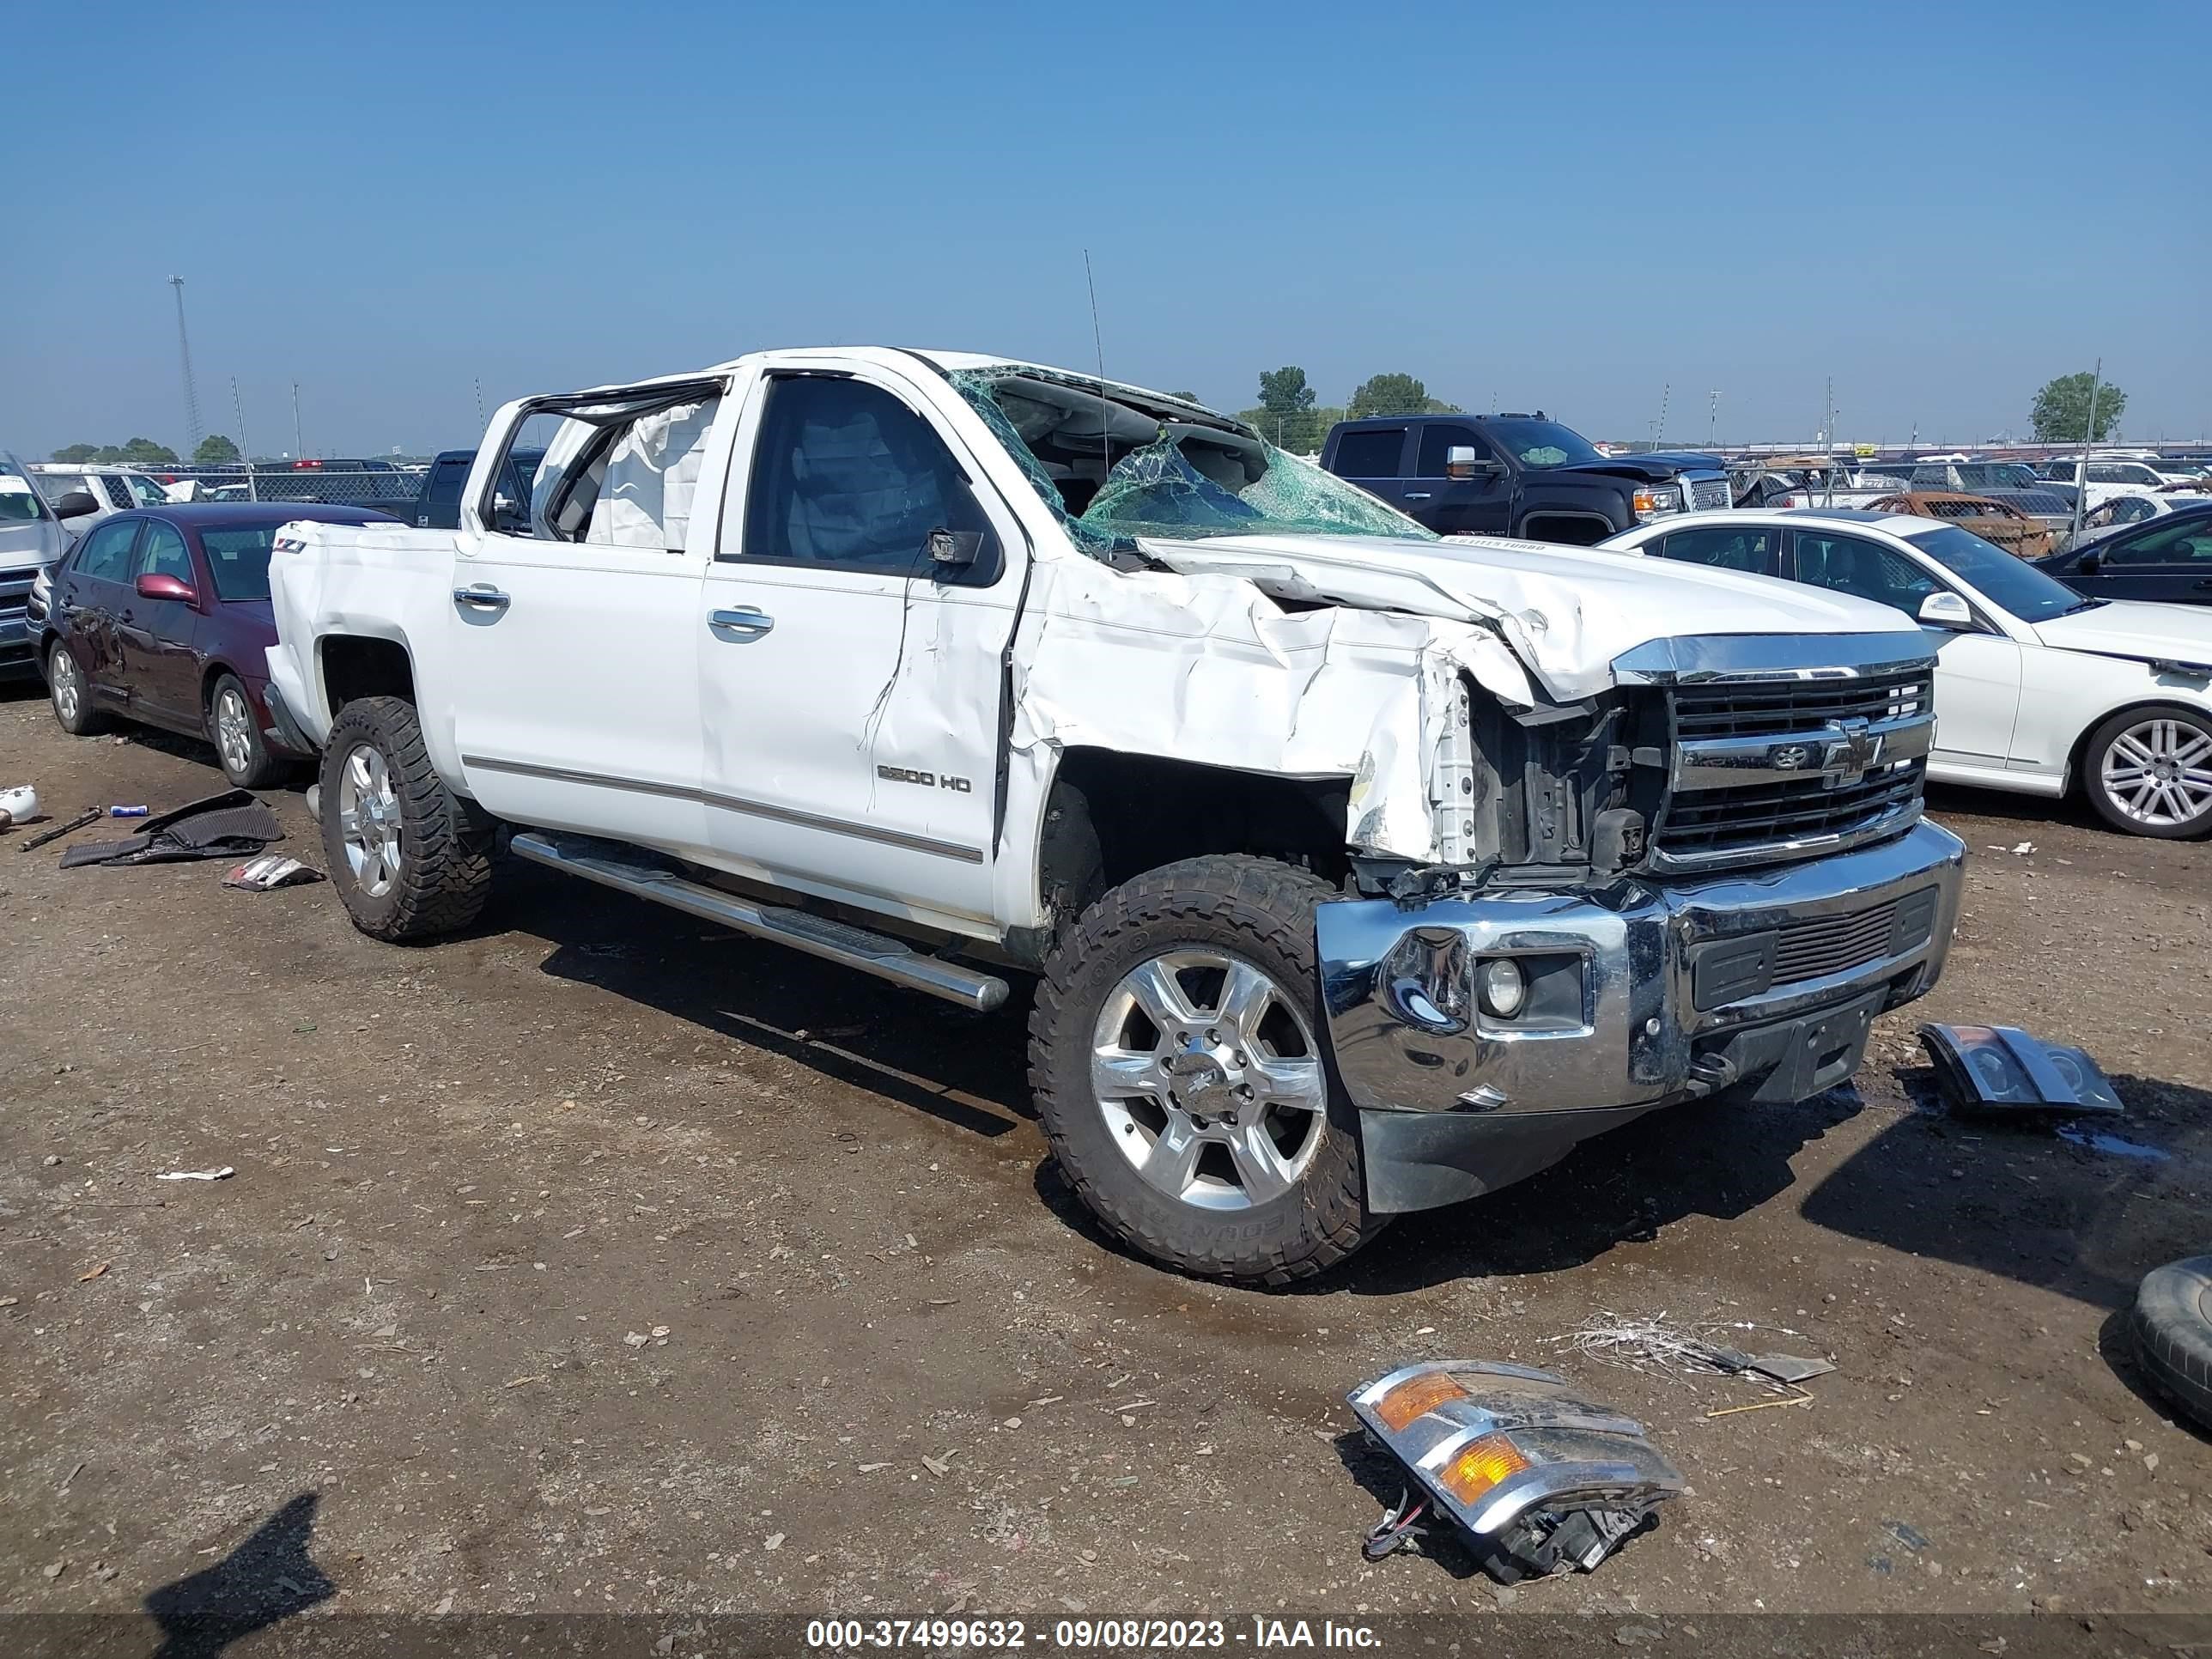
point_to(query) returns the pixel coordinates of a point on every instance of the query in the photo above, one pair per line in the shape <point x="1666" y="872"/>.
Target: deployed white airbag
<point x="645" y="498"/>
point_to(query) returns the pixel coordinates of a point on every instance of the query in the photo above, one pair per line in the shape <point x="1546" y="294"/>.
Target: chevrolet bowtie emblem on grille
<point x="1849" y="752"/>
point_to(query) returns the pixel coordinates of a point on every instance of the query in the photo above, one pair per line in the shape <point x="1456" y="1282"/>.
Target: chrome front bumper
<point x="1761" y="982"/>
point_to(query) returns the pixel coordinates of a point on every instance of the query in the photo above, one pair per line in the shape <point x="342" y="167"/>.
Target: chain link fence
<point x="386" y="487"/>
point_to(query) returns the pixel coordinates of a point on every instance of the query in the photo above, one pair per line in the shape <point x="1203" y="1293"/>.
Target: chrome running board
<point x="613" y="864"/>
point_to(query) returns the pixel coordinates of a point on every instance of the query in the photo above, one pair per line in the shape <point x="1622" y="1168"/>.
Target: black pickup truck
<point x="1516" y="475"/>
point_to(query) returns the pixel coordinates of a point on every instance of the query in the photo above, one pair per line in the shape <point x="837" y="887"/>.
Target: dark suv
<point x="1516" y="475"/>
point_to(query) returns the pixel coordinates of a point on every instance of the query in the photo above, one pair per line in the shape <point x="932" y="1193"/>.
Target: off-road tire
<point x="447" y="841"/>
<point x="1263" y="912"/>
<point x="2092" y="771"/>
<point x="261" y="769"/>
<point x="87" y="722"/>
<point x="2172" y="1321"/>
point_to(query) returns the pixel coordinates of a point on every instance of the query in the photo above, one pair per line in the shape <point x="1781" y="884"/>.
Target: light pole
<point x="192" y="432"/>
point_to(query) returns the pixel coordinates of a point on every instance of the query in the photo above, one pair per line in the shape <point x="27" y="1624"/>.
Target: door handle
<point x="2205" y="586"/>
<point x="1417" y="494"/>
<point x="481" y="596"/>
<point x="746" y="624"/>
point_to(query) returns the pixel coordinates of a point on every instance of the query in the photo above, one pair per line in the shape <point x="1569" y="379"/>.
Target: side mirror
<point x="75" y="505"/>
<point x="1947" y="609"/>
<point x="2087" y="565"/>
<point x="1460" y="461"/>
<point x="154" y="585"/>
<point x="954" y="549"/>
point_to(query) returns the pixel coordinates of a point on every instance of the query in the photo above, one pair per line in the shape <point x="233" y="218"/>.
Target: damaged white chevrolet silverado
<point x="1360" y="870"/>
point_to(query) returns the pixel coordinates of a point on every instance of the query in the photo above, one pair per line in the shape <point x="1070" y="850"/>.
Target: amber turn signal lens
<point x="1481" y="1465"/>
<point x="1415" y="1395"/>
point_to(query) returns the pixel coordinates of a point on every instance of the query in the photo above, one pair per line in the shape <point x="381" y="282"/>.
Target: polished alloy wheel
<point x="2159" y="772"/>
<point x="69" y="684"/>
<point x="1209" y="1079"/>
<point x="233" y="731"/>
<point x="368" y="820"/>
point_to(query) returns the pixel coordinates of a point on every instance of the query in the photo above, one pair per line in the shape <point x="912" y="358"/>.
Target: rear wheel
<point x="71" y="693"/>
<point x="411" y="859"/>
<point x="1176" y="1058"/>
<point x="2149" y="771"/>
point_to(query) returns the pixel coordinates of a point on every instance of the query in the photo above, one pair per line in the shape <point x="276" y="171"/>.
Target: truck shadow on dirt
<point x="1702" y="1158"/>
<point x="2082" y="1209"/>
<point x="967" y="1070"/>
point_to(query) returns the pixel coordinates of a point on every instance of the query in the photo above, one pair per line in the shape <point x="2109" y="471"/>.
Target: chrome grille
<point x="1709" y="493"/>
<point x="1835" y="944"/>
<point x="1748" y="709"/>
<point x="1710" y="824"/>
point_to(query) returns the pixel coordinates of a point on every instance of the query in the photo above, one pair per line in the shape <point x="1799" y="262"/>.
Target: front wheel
<point x="1176" y="1058"/>
<point x="2149" y="771"/>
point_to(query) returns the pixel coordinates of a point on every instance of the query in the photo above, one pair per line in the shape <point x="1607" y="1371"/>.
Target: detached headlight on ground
<point x="1538" y="1480"/>
<point x="1657" y="501"/>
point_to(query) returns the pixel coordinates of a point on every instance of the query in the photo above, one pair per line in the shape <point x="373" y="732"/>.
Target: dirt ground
<point x="598" y="1261"/>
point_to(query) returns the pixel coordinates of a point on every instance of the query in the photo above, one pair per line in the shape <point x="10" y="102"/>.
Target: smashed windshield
<point x="1114" y="464"/>
<point x="1542" y="443"/>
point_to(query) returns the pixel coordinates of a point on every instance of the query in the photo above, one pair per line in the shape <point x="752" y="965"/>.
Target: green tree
<point x="1396" y="394"/>
<point x="215" y="450"/>
<point x="2062" y="410"/>
<point x="77" y="452"/>
<point x="1286" y="416"/>
<point x="144" y="452"/>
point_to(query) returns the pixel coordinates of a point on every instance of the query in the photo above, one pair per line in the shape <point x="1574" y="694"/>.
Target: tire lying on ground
<point x="2172" y="1327"/>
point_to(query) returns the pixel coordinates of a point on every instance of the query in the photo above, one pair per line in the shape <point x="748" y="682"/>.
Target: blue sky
<point x="1564" y="207"/>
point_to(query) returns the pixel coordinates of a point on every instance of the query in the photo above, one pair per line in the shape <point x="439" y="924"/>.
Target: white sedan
<point x="2038" y="690"/>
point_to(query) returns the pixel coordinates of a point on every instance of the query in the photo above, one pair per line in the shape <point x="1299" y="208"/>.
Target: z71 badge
<point x="926" y="779"/>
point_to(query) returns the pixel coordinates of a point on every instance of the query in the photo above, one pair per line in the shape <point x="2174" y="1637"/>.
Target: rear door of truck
<point x="850" y="682"/>
<point x="576" y="619"/>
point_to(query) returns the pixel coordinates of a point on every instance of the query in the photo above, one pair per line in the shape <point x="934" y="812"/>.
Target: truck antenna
<point x="1098" y="340"/>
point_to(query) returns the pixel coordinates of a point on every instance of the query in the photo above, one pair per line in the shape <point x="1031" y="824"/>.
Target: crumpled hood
<point x="1567" y="612"/>
<point x="2136" y="629"/>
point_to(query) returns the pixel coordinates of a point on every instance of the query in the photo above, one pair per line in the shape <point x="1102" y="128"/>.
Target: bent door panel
<point x="851" y="684"/>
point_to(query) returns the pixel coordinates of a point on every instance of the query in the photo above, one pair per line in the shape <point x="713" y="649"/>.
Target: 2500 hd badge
<point x="926" y="779"/>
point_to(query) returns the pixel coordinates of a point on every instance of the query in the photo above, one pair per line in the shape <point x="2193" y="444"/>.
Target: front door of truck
<point x="1481" y="505"/>
<point x="573" y="629"/>
<point x="850" y="679"/>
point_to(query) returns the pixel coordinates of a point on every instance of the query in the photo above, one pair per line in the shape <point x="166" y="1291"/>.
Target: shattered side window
<point x="1112" y="471"/>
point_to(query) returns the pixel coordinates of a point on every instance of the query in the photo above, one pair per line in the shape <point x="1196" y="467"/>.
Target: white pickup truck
<point x="1359" y="871"/>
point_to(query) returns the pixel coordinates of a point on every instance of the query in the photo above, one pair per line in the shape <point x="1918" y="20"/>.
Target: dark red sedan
<point x="162" y="615"/>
